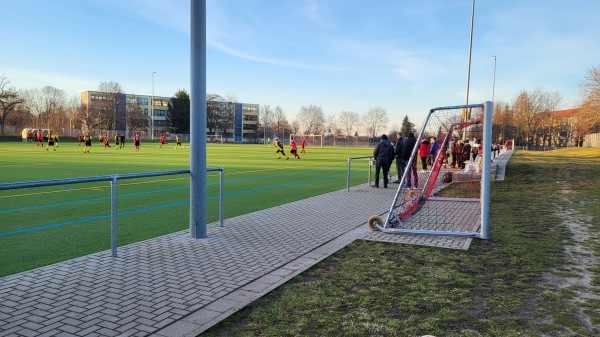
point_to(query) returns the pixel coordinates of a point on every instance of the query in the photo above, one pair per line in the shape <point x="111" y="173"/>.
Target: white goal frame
<point x="308" y="137"/>
<point x="395" y="218"/>
<point x="214" y="138"/>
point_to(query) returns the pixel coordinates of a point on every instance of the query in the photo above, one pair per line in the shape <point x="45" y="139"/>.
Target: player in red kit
<point x="162" y="141"/>
<point x="302" y="143"/>
<point x="294" y="148"/>
<point x="136" y="142"/>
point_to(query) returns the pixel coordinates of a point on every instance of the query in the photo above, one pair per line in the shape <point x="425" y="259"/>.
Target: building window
<point x="159" y="112"/>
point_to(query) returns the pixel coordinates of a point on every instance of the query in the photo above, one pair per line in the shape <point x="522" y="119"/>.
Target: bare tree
<point x="375" y="119"/>
<point x="349" y="121"/>
<point x="44" y="104"/>
<point x="219" y="113"/>
<point x="280" y="121"/>
<point x="111" y="105"/>
<point x="265" y="118"/>
<point x="530" y="110"/>
<point x="137" y="119"/>
<point x="589" y="121"/>
<point x="226" y="118"/>
<point x="9" y="100"/>
<point x="311" y="119"/>
<point x="89" y="118"/>
<point x="295" y="126"/>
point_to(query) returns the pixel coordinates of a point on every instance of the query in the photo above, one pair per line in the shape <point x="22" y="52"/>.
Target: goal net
<point x="448" y="191"/>
<point x="311" y="140"/>
<point x="214" y="138"/>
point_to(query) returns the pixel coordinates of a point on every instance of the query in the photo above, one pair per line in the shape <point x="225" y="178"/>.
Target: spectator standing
<point x="433" y="150"/>
<point x="384" y="155"/>
<point x="424" y="152"/>
<point x="399" y="155"/>
<point x="466" y="151"/>
<point x="409" y="145"/>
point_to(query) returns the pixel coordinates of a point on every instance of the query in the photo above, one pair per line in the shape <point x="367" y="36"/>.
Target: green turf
<point x="254" y="179"/>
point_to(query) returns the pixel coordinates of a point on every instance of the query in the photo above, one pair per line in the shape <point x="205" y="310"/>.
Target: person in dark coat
<point x="399" y="153"/>
<point x="384" y="155"/>
<point x="409" y="144"/>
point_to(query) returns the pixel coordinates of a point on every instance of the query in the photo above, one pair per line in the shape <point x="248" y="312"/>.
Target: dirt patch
<point x="580" y="259"/>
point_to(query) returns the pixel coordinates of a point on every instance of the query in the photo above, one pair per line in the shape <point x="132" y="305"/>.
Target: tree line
<point x="531" y="118"/>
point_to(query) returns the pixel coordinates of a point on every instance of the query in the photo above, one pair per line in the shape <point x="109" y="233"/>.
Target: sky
<point x="342" y="55"/>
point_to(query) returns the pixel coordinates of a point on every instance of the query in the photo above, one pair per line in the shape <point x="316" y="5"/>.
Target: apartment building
<point x="148" y="115"/>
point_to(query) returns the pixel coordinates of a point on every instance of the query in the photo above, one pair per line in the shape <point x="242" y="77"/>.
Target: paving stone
<point x="176" y="286"/>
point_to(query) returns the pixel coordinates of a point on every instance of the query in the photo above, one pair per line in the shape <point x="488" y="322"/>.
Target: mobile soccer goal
<point x="311" y="140"/>
<point x="452" y="196"/>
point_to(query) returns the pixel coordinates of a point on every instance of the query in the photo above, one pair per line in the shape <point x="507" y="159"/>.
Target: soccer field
<point x="40" y="226"/>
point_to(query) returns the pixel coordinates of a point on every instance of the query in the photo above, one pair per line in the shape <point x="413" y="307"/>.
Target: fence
<point x="591" y="140"/>
<point x="113" y="191"/>
<point x="348" y="173"/>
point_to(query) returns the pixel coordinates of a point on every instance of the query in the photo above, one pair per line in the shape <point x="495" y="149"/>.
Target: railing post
<point x="221" y="191"/>
<point x="348" y="176"/>
<point x="113" y="215"/>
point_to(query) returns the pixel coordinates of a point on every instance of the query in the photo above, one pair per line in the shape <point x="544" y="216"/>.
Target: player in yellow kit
<point x="279" y="146"/>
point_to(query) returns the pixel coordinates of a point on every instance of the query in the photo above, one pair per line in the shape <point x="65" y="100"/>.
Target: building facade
<point x="131" y="113"/>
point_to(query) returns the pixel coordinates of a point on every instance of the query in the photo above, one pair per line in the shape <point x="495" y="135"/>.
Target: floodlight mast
<point x="468" y="112"/>
<point x="152" y="109"/>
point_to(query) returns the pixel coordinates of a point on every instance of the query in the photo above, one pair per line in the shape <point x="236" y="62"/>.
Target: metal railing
<point x="348" y="174"/>
<point x="113" y="191"/>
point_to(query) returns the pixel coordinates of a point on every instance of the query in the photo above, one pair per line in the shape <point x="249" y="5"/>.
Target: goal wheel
<point x="374" y="219"/>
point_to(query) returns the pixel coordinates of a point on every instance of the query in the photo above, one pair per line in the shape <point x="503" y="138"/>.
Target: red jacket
<point x="423" y="149"/>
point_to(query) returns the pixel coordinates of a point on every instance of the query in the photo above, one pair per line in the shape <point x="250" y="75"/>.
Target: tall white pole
<point x="468" y="112"/>
<point x="494" y="82"/>
<point x="152" y="109"/>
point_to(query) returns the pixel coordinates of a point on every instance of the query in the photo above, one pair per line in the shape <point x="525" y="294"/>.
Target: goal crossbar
<point x="311" y="140"/>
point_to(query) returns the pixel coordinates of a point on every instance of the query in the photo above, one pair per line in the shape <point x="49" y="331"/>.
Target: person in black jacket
<point x="384" y="155"/>
<point x="399" y="154"/>
<point x="409" y="144"/>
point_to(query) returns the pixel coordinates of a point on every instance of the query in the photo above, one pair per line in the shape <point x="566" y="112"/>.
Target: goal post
<point x="451" y="195"/>
<point x="311" y="140"/>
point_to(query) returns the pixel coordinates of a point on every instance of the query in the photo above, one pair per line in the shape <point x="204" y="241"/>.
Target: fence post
<point x="113" y="215"/>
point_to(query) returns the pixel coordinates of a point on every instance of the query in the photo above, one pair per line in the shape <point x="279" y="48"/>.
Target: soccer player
<point x="302" y="143"/>
<point x="50" y="141"/>
<point x="117" y="142"/>
<point x="88" y="143"/>
<point x="122" y="140"/>
<point x="294" y="150"/>
<point x="177" y="141"/>
<point x="162" y="141"/>
<point x="136" y="142"/>
<point x="39" y="139"/>
<point x="106" y="141"/>
<point x="279" y="146"/>
<point x="81" y="140"/>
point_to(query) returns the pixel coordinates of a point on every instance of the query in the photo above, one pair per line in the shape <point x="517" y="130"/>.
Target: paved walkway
<point x="176" y="286"/>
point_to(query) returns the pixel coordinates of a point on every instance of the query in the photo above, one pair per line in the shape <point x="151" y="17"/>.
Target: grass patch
<point x="499" y="287"/>
<point x="40" y="226"/>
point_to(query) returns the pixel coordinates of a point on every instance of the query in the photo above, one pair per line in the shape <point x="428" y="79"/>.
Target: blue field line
<point x="145" y="209"/>
<point x="83" y="201"/>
